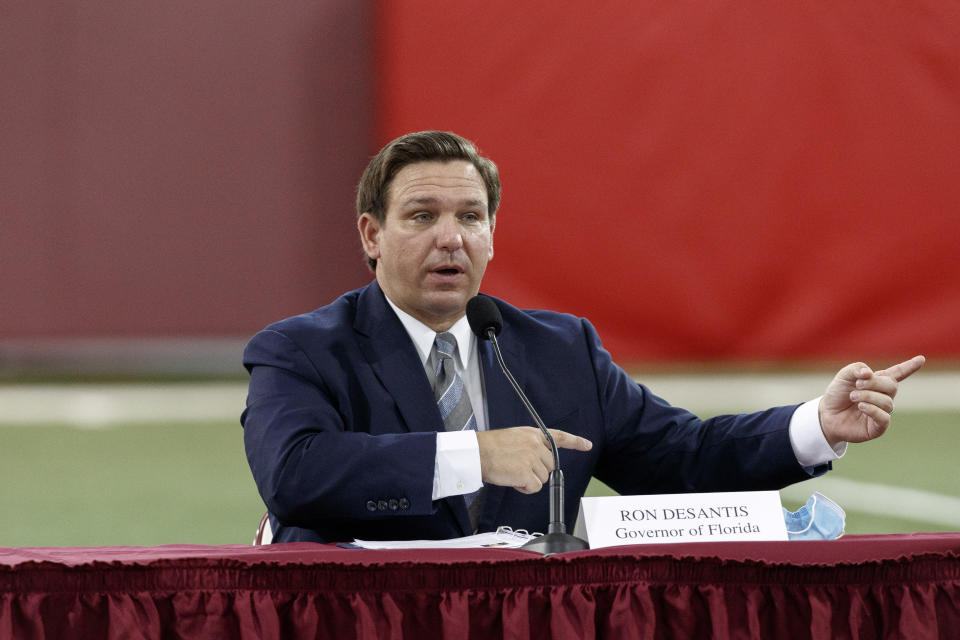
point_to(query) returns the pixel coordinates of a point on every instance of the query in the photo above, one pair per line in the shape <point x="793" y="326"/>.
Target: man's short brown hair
<point x="421" y="146"/>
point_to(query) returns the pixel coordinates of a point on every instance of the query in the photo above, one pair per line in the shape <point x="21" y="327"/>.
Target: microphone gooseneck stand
<point x="556" y="540"/>
<point x="486" y="322"/>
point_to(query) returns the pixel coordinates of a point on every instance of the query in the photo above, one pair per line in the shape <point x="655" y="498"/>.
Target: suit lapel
<point x="394" y="360"/>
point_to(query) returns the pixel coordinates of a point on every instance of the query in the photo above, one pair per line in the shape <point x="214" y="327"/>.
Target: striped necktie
<point x="452" y="398"/>
<point x="453" y="402"/>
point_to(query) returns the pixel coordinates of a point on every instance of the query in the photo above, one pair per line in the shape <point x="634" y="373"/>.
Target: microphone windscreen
<point x="483" y="315"/>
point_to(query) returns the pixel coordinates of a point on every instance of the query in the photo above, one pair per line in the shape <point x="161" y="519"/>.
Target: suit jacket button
<point x="393" y="504"/>
<point x="404" y="503"/>
<point x="371" y="505"/>
<point x="382" y="505"/>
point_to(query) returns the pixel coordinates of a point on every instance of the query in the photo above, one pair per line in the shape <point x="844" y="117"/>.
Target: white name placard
<point x="683" y="517"/>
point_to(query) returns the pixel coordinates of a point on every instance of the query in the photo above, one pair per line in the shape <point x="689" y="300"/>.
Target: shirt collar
<point x="423" y="336"/>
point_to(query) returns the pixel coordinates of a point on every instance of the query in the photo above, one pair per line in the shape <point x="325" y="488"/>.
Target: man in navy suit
<point x="343" y="430"/>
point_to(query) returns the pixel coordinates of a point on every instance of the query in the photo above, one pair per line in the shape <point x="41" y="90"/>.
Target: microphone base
<point x="552" y="543"/>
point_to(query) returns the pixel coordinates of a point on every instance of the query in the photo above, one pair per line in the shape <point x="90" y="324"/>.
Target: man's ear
<point x="369" y="229"/>
<point x="492" y="223"/>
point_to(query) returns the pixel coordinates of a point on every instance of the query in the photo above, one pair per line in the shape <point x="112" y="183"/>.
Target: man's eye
<point x="421" y="217"/>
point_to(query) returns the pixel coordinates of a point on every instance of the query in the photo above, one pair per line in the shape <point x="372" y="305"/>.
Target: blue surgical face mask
<point x="820" y="519"/>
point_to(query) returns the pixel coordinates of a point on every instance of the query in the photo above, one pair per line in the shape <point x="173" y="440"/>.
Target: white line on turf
<point x="96" y="405"/>
<point x="104" y="406"/>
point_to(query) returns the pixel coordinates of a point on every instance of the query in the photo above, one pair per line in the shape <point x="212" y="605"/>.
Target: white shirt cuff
<point x="807" y="439"/>
<point x="456" y="470"/>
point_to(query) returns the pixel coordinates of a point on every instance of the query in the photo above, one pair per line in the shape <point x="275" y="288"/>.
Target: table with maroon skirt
<point x="904" y="586"/>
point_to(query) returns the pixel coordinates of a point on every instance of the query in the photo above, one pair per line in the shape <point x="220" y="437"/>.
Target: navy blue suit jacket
<point x="340" y="426"/>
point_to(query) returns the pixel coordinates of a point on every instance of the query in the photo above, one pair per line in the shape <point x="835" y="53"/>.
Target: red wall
<point x="726" y="180"/>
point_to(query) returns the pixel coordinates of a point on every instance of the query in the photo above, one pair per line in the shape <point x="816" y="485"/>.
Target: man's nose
<point x="448" y="234"/>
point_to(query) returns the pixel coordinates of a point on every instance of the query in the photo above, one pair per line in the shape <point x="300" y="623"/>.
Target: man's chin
<point x="448" y="303"/>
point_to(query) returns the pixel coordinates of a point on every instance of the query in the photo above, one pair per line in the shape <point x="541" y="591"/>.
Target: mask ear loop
<point x="813" y="511"/>
<point x="843" y="513"/>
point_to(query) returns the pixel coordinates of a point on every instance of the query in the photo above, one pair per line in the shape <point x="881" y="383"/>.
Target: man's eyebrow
<point x="429" y="200"/>
<point x="419" y="200"/>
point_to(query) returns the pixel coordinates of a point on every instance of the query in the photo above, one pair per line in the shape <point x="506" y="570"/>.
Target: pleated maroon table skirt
<point x="892" y="586"/>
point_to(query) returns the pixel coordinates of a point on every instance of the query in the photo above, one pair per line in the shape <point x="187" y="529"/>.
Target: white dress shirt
<point x="457" y="463"/>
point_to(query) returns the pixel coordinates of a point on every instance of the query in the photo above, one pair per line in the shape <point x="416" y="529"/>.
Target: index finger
<point x="566" y="440"/>
<point x="903" y="370"/>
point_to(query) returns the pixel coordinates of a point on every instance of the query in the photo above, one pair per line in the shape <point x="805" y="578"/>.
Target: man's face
<point x="435" y="241"/>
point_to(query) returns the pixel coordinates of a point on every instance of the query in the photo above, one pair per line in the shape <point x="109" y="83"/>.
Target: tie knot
<point x="445" y="344"/>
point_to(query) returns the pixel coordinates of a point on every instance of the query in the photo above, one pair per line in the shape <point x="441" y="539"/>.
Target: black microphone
<point x="485" y="321"/>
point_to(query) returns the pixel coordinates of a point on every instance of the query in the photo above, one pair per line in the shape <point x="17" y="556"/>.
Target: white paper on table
<point x="503" y="538"/>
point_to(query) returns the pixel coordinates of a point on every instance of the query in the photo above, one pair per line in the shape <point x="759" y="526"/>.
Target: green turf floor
<point x="150" y="484"/>
<point x="142" y="484"/>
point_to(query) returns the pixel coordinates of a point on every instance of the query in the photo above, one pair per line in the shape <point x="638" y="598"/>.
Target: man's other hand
<point x="858" y="402"/>
<point x="520" y="457"/>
